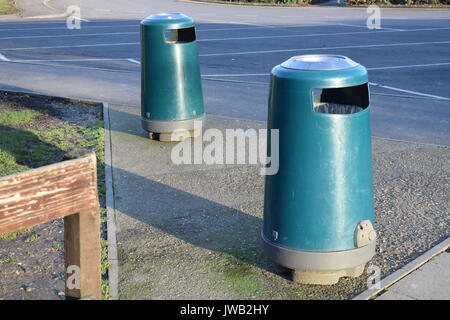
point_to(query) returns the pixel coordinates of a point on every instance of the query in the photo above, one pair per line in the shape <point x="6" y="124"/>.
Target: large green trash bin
<point x="318" y="212"/>
<point x="171" y="93"/>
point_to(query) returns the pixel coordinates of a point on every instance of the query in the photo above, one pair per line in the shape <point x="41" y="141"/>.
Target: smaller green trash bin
<point x="171" y="92"/>
<point x="318" y="208"/>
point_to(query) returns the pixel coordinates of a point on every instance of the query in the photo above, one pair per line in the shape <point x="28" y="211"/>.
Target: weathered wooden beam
<point x="67" y="189"/>
<point x="82" y="255"/>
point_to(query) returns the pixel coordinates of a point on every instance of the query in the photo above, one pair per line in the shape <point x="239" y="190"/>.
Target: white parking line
<point x="236" y="75"/>
<point x="227" y="39"/>
<point x="239" y="52"/>
<point x="411" y="66"/>
<point x="322" y="34"/>
<point x="74" y="46"/>
<point x="409" y="91"/>
<point x="3" y="58"/>
<point x="27" y="23"/>
<point x="324" y="48"/>
<point x="134" y="61"/>
<point x="236" y="22"/>
<point x="63" y="26"/>
<point x="84" y="20"/>
<point x="369" y="69"/>
<point x="70" y="35"/>
<point x="67" y="60"/>
<point x="365" y="26"/>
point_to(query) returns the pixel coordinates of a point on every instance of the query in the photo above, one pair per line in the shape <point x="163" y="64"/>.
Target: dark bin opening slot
<point x="344" y="100"/>
<point x="180" y="35"/>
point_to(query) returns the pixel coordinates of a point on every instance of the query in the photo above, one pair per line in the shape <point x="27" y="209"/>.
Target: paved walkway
<point x="192" y="231"/>
<point x="430" y="282"/>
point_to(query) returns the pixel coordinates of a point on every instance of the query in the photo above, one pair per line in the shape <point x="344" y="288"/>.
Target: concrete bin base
<point x="325" y="277"/>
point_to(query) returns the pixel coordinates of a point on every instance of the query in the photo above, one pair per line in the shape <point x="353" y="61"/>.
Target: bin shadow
<point x="188" y="217"/>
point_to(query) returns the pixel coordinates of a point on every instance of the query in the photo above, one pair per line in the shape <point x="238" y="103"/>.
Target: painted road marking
<point x="324" y="48"/>
<point x="134" y="61"/>
<point x="237" y="53"/>
<point x="409" y="91"/>
<point x="63" y="27"/>
<point x="70" y="60"/>
<point x="224" y="39"/>
<point x="3" y="58"/>
<point x="197" y="29"/>
<point x="369" y="68"/>
<point x="411" y="66"/>
<point x="64" y="21"/>
<point x="365" y="26"/>
<point x="319" y="34"/>
<point x="78" y="18"/>
<point x="70" y="35"/>
<point x="73" y="46"/>
<point x="238" y="22"/>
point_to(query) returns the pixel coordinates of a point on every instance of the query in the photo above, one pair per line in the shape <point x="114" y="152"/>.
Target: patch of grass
<point x="76" y="141"/>
<point x="105" y="289"/>
<point x="10" y="118"/>
<point x="32" y="238"/>
<point x="7" y="7"/>
<point x="15" y="234"/>
<point x="23" y="149"/>
<point x="8" y="164"/>
<point x="57" y="245"/>
<point x="9" y="260"/>
<point x="104" y="257"/>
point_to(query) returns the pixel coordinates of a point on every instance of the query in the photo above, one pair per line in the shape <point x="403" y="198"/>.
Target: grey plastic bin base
<point x="312" y="267"/>
<point x="163" y="130"/>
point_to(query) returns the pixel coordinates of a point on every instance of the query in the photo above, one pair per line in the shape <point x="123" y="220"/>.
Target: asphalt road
<point x="408" y="58"/>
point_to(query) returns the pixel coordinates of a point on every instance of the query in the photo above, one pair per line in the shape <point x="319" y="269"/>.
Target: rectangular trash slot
<point x="346" y="100"/>
<point x="180" y="35"/>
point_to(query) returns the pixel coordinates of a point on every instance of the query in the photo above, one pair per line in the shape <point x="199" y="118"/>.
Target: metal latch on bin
<point x="364" y="233"/>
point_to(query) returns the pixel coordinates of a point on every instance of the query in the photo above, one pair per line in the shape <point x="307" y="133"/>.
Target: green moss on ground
<point x="236" y="268"/>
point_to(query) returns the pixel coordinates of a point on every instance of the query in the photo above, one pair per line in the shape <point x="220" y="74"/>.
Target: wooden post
<point x="82" y="249"/>
<point x="67" y="189"/>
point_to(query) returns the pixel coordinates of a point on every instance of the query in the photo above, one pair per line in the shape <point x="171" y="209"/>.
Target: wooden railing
<point x="63" y="190"/>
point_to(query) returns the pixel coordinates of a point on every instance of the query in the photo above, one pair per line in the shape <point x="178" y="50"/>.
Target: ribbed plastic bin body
<point x="320" y="203"/>
<point x="171" y="85"/>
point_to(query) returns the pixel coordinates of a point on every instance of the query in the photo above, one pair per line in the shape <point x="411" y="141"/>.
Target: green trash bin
<point x="171" y="92"/>
<point x="318" y="211"/>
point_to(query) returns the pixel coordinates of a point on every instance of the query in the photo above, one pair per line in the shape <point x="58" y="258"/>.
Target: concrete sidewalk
<point x="429" y="282"/>
<point x="192" y="231"/>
